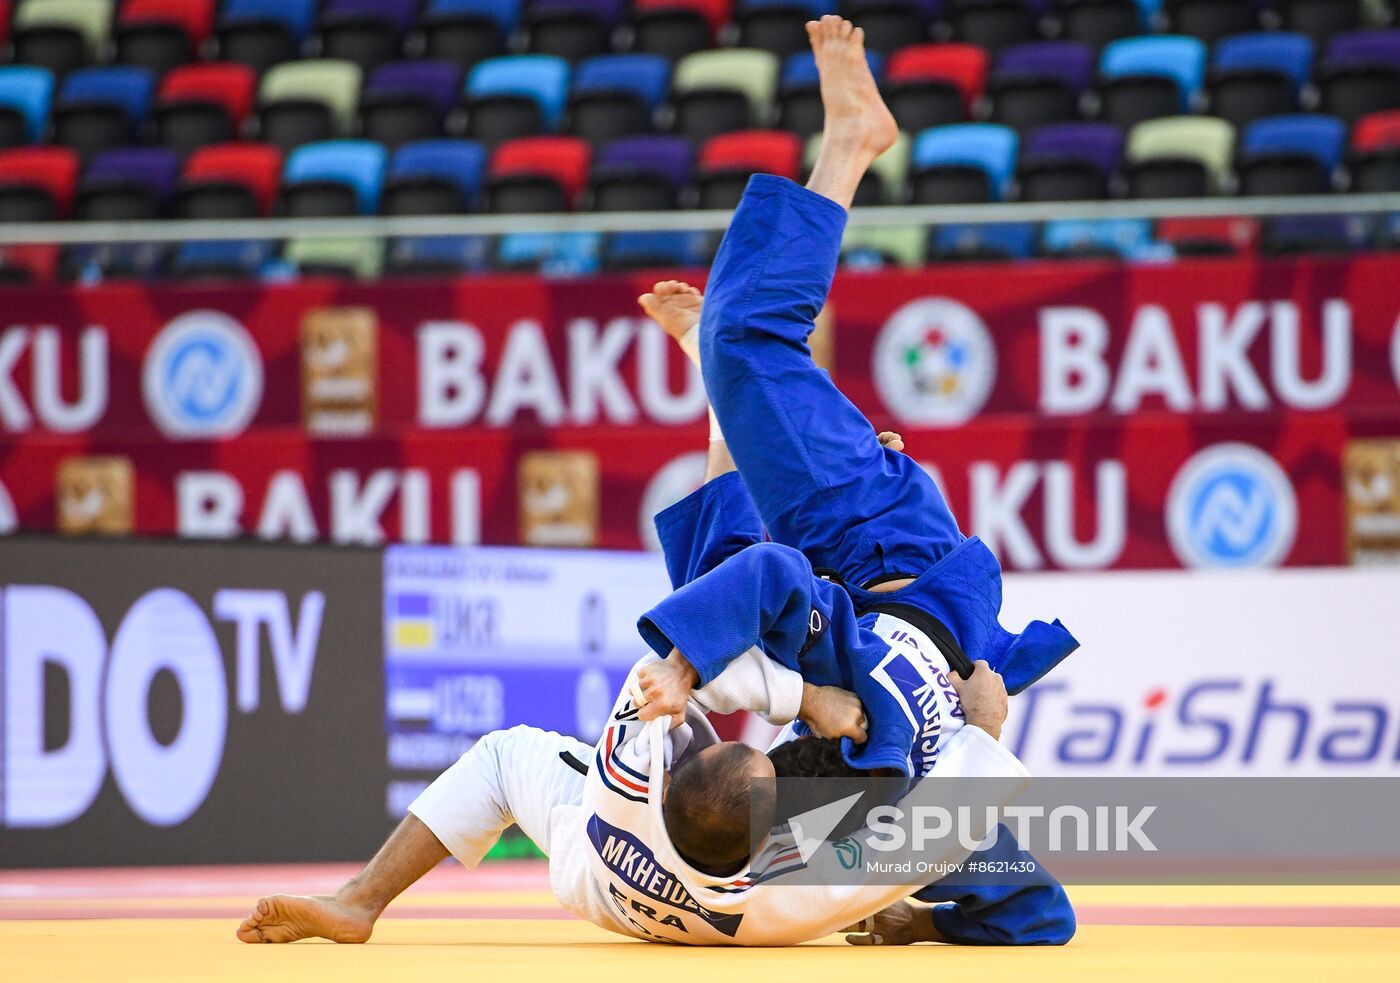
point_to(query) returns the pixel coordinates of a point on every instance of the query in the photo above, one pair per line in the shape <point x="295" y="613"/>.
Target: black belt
<point x="930" y="626"/>
<point x="574" y="763"/>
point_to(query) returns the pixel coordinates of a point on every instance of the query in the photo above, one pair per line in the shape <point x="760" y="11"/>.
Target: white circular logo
<point x="934" y="362"/>
<point x="1395" y="353"/>
<point x="203" y="376"/>
<point x="9" y="521"/>
<point x="672" y="482"/>
<point x="1231" y="505"/>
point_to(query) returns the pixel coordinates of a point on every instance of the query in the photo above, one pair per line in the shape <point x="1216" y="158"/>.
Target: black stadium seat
<point x="673" y="34"/>
<point x="1211" y="20"/>
<point x="779" y="29"/>
<point x="1097" y="22"/>
<point x="993" y="24"/>
<point x="461" y="38"/>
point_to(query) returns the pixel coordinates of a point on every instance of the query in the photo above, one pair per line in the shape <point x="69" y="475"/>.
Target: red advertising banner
<point x="1079" y="415"/>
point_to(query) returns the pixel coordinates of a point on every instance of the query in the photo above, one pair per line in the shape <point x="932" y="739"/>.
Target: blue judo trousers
<point x="813" y="477"/>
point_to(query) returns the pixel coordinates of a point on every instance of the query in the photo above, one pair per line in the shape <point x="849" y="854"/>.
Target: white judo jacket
<point x="613" y="863"/>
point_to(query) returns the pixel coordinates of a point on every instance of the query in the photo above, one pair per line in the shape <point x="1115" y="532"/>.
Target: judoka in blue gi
<point x="816" y="489"/>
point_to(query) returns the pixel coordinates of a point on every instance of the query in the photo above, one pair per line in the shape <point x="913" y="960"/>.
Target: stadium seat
<point x="26" y="93"/>
<point x="717" y="92"/>
<point x="1360" y="74"/>
<point x="99" y="108"/>
<point x="640" y="174"/>
<point x="1320" y="19"/>
<point x="537" y="174"/>
<point x="1039" y="83"/>
<point x="1070" y="162"/>
<point x="652" y="250"/>
<point x="1098" y="22"/>
<point x="203" y="104"/>
<point x="616" y="95"/>
<point x="365" y="32"/>
<point x="889" y="24"/>
<point x="933" y="84"/>
<point x="405" y="101"/>
<point x="799" y="97"/>
<point x="1143" y="77"/>
<point x="333" y="179"/>
<point x="673" y="28"/>
<point x="232" y="180"/>
<point x="1259" y="74"/>
<point x="308" y="101"/>
<point x="1290" y="155"/>
<point x="571" y="29"/>
<point x="263" y="33"/>
<point x="360" y="257"/>
<point x="1289" y="235"/>
<point x="871" y="247"/>
<point x="434" y="177"/>
<point x="161" y="34"/>
<point x="466" y="32"/>
<point x="549" y="253"/>
<point x="778" y="26"/>
<point x="1375" y="160"/>
<point x="1209" y="236"/>
<point x="1211" y="20"/>
<point x="884" y="183"/>
<point x="727" y="161"/>
<point x="1179" y="157"/>
<point x="980" y="243"/>
<point x="436" y="255"/>
<point x="992" y="24"/>
<point x="513" y="96"/>
<point x="36" y="183"/>
<point x="1113" y="238"/>
<point x="29" y="263"/>
<point x="228" y="259"/>
<point x="127" y="185"/>
<point x="961" y="164"/>
<point x="60" y="35"/>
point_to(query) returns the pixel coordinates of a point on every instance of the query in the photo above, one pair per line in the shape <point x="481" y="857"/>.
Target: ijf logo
<point x="934" y="362"/>
<point x="203" y="376"/>
<point x="676" y="479"/>
<point x="1231" y="506"/>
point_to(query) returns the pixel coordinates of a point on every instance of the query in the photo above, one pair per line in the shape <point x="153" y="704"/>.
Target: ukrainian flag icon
<point x="412" y="623"/>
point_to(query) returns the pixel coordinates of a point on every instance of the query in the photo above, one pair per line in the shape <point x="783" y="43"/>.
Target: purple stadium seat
<point x="1040" y="83"/>
<point x="1070" y="62"/>
<point x="1365" y="48"/>
<point x="437" y="81"/>
<point x="400" y="13"/>
<point x="1070" y="161"/>
<point x="673" y="157"/>
<point x="128" y="184"/>
<point x="645" y="172"/>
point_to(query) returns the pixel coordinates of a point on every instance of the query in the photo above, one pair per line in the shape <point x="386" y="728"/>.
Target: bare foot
<point x="287" y="918"/>
<point x="673" y="305"/>
<point x="855" y="113"/>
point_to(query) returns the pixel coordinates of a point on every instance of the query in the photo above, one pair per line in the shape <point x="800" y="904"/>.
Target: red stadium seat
<point x="194" y="17"/>
<point x="964" y="65"/>
<point x="228" y="84"/>
<point x="51" y="171"/>
<point x="757" y="151"/>
<point x="1377" y="131"/>
<point x="6" y="8"/>
<point x="561" y="160"/>
<point x="1203" y="236"/>
<point x="716" y="12"/>
<point x="256" y="167"/>
<point x="727" y="161"/>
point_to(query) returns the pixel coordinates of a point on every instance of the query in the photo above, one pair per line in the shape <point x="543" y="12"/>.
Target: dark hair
<point x="813" y="757"/>
<point x="819" y="757"/>
<point x="707" y="808"/>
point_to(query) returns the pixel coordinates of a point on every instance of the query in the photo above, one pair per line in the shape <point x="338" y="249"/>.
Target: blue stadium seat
<point x="1000" y="240"/>
<point x="653" y="250"/>
<point x="801" y="69"/>
<point x="26" y="93"/>
<point x="1294" y="154"/>
<point x="359" y="164"/>
<point x="230" y="259"/>
<point x="985" y="147"/>
<point x="543" y="79"/>
<point x="433" y="177"/>
<point x="505" y="13"/>
<point x="813" y="8"/>
<point x="645" y="76"/>
<point x="436" y="255"/>
<point x="550" y="253"/>
<point x="124" y="86"/>
<point x="1125" y="238"/>
<point x="1179" y="58"/>
<point x="1288" y="54"/>
<point x="296" y="15"/>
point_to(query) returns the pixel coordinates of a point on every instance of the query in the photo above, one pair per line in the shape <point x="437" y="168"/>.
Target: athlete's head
<point x="812" y="757"/>
<point x="707" y="807"/>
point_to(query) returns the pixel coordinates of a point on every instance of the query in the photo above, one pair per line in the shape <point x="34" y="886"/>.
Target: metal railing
<point x="176" y="230"/>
